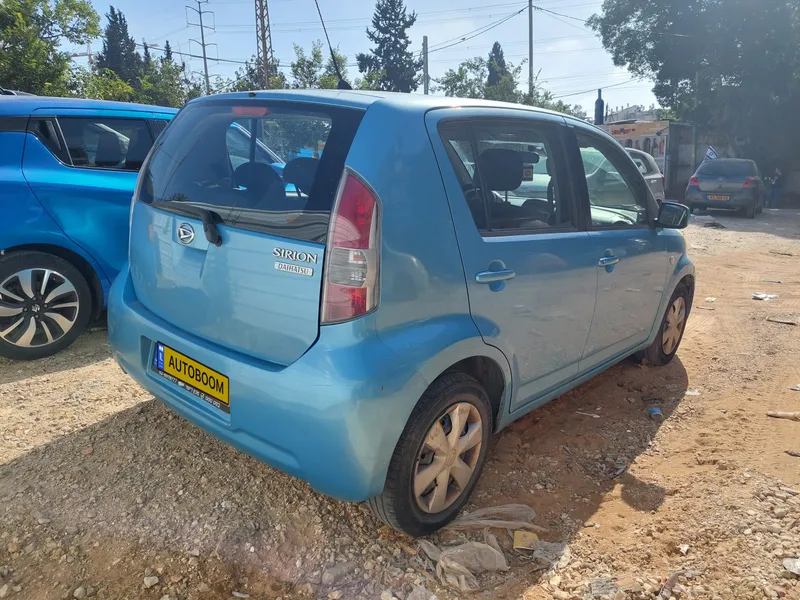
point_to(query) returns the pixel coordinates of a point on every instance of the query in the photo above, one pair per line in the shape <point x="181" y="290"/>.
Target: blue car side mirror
<point x="672" y="215"/>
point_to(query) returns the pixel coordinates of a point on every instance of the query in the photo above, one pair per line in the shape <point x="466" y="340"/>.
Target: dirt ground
<point x="105" y="493"/>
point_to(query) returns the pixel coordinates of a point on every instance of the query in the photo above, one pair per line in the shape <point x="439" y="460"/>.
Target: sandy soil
<point x="104" y="492"/>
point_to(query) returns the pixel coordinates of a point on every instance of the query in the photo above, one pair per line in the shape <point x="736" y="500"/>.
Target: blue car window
<point x="615" y="200"/>
<point x="205" y="158"/>
<point x="516" y="188"/>
<point x="104" y="143"/>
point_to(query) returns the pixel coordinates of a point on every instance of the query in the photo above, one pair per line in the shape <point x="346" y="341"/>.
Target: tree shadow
<point x="144" y="489"/>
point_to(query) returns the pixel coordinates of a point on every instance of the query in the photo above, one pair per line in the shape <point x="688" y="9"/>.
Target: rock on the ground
<point x="338" y="572"/>
<point x="150" y="581"/>
<point x="79" y="593"/>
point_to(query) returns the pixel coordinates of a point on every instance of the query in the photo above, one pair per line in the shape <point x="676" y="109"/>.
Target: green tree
<point x="309" y="72"/>
<point x="119" y="49"/>
<point x="496" y="65"/>
<point x="101" y="84"/>
<point x="306" y="70"/>
<point x="470" y="80"/>
<point x="251" y="77"/>
<point x="31" y="35"/>
<point x="743" y="54"/>
<point x="399" y="69"/>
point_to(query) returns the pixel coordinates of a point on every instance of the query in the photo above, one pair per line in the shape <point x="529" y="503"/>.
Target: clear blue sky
<point x="569" y="56"/>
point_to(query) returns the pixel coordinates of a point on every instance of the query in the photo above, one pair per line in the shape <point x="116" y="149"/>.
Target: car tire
<point x="750" y="212"/>
<point x="422" y="455"/>
<point x="45" y="304"/>
<point x="668" y="340"/>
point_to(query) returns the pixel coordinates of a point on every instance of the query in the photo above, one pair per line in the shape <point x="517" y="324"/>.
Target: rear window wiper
<point x="209" y="217"/>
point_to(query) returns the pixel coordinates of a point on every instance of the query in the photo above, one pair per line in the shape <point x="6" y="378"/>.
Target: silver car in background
<point x="647" y="166"/>
<point x="727" y="183"/>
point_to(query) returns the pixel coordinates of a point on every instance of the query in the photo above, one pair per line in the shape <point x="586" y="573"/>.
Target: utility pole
<point x="694" y="120"/>
<point x="200" y="12"/>
<point x="264" y="40"/>
<point x="530" y="47"/>
<point x="425" y="64"/>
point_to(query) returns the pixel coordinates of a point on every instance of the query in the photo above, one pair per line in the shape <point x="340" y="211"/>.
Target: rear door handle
<point x="607" y="261"/>
<point x="495" y="276"/>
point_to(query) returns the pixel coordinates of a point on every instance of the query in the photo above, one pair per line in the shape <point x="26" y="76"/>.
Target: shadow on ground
<point x="145" y="492"/>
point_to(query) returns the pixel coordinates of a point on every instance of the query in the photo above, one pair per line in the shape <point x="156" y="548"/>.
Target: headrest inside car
<point x="501" y="169"/>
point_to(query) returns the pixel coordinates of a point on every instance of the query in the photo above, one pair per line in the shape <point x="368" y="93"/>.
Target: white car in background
<point x="647" y="166"/>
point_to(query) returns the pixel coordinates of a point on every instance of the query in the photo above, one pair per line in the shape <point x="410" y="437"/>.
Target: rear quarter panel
<point x="23" y="220"/>
<point x="424" y="310"/>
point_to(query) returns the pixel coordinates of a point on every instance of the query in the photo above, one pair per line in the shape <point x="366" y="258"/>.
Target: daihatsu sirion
<point x="423" y="272"/>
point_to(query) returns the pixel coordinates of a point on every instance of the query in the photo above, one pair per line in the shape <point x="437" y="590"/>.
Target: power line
<point x="475" y="33"/>
<point x="592" y="89"/>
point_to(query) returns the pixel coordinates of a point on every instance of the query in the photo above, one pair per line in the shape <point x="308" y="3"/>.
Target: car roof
<point x="365" y="98"/>
<point x="25" y="105"/>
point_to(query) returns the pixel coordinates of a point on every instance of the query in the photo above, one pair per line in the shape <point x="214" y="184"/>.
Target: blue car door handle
<point x="607" y="261"/>
<point x="495" y="276"/>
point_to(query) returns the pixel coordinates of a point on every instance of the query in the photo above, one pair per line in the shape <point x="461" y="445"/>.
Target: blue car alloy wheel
<point x="45" y="304"/>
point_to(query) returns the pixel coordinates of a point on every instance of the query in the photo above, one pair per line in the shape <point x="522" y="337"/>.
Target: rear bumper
<point x="738" y="201"/>
<point x="332" y="418"/>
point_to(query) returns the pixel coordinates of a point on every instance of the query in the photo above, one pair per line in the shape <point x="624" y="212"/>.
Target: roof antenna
<point x="342" y="85"/>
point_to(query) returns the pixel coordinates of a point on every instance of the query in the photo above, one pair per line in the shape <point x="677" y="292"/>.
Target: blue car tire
<point x="439" y="457"/>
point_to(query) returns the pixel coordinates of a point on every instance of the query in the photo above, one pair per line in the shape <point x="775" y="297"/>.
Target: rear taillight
<point x="352" y="264"/>
<point x="751" y="182"/>
<point x="663" y="181"/>
<point x="693" y="182"/>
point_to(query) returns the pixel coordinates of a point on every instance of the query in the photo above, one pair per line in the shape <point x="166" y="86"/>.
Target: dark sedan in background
<point x="727" y="183"/>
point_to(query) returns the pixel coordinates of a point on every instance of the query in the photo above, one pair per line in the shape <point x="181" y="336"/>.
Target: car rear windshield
<point x="727" y="168"/>
<point x="271" y="167"/>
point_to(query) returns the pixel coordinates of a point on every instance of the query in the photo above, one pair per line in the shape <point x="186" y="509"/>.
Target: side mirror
<point x="672" y="215"/>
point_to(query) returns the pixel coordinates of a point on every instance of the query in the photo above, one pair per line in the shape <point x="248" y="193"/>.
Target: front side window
<point x="615" y="197"/>
<point x="511" y="174"/>
<point x="102" y="143"/>
<point x="255" y="165"/>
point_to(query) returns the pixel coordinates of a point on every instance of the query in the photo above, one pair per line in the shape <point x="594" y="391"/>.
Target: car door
<point x="630" y="253"/>
<point x="528" y="261"/>
<point x="87" y="188"/>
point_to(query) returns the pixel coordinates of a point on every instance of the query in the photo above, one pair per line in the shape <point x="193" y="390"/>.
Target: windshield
<point x="734" y="169"/>
<point x="254" y="165"/>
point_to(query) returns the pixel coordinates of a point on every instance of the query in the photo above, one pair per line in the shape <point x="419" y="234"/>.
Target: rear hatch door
<point x="228" y="231"/>
<point x="723" y="177"/>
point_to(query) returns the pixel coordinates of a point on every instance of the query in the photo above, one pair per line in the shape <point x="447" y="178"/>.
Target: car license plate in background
<point x="719" y="197"/>
<point x="194" y="377"/>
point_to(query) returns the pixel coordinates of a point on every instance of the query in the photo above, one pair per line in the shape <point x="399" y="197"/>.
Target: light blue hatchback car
<point x="367" y="318"/>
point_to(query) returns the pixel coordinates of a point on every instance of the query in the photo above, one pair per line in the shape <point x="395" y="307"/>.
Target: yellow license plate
<point x="196" y="378"/>
<point x="719" y="197"/>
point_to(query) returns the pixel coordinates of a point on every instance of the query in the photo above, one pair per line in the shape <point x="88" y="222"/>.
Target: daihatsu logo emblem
<point x="185" y="233"/>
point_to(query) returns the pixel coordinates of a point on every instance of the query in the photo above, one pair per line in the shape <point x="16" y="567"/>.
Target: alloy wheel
<point x="38" y="307"/>
<point x="448" y="458"/>
<point x="673" y="326"/>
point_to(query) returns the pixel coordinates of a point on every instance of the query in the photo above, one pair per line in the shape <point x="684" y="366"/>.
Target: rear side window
<point x="643" y="165"/>
<point x="727" y="168"/>
<point x="511" y="174"/>
<point x="271" y="167"/>
<point x="107" y="143"/>
<point x="46" y="130"/>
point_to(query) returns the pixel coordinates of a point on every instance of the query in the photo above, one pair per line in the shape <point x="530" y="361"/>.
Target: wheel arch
<point x="483" y="362"/>
<point x="76" y="260"/>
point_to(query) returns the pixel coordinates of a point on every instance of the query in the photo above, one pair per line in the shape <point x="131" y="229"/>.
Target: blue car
<point x="68" y="168"/>
<point x="443" y="268"/>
